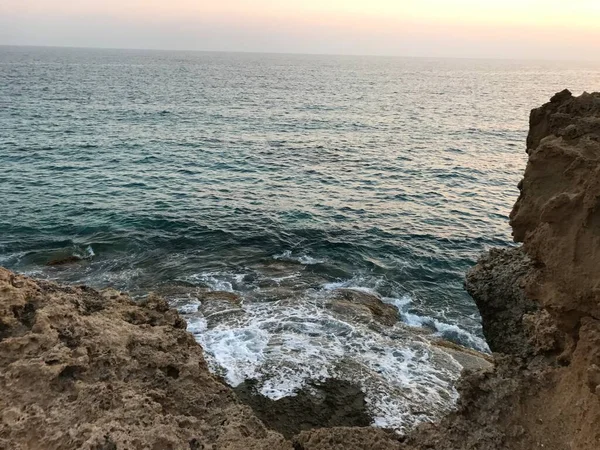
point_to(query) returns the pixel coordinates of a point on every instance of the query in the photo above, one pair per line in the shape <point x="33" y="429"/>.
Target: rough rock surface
<point x="364" y="306"/>
<point x="81" y="369"/>
<point x="333" y="403"/>
<point x="557" y="216"/>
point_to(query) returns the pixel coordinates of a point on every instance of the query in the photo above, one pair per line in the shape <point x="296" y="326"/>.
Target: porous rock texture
<point x="81" y="369"/>
<point x="540" y="303"/>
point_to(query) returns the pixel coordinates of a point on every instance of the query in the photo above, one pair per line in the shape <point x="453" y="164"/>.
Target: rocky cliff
<point x="540" y="303"/>
<point x="94" y="370"/>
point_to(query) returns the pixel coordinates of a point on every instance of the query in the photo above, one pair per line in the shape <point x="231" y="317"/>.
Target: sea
<point x="277" y="181"/>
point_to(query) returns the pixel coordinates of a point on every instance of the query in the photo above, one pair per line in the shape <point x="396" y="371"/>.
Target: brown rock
<point x="83" y="370"/>
<point x="351" y="311"/>
<point x="557" y="215"/>
<point x="229" y="297"/>
<point x="64" y="260"/>
<point x="355" y="302"/>
<point x="331" y="403"/>
<point x="540" y="303"/>
<point x="469" y="359"/>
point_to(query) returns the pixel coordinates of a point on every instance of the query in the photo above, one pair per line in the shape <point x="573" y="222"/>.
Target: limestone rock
<point x="79" y="369"/>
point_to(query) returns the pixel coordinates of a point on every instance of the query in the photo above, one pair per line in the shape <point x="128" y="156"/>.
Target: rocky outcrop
<point x="496" y="284"/>
<point x="557" y="216"/>
<point x="80" y="369"/>
<point x="332" y="403"/>
<point x="540" y="304"/>
<point x="363" y="306"/>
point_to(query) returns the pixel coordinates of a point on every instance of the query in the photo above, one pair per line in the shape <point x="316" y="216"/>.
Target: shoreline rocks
<point x="539" y="302"/>
<point x="332" y="403"/>
<point x="95" y="370"/>
<point x="364" y="306"/>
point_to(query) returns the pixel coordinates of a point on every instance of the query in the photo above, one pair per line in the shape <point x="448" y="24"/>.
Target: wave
<point x="285" y="345"/>
<point x="290" y="342"/>
<point x="302" y="259"/>
<point x="448" y="331"/>
<point x="216" y="281"/>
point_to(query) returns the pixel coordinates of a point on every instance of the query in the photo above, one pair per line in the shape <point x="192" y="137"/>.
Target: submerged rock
<point x="220" y="296"/>
<point x="63" y="260"/>
<point x="363" y="305"/>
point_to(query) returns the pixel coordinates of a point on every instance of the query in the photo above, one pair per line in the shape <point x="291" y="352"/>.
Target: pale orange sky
<point x="546" y="29"/>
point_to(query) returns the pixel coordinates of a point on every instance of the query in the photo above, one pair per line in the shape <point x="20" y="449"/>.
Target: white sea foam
<point x="239" y="277"/>
<point x="445" y="330"/>
<point x="278" y="280"/>
<point x="86" y="253"/>
<point x="187" y="305"/>
<point x="361" y="282"/>
<point x="238" y="351"/>
<point x="284" y="345"/>
<point x="302" y="259"/>
<point x="197" y="325"/>
<point x="217" y="281"/>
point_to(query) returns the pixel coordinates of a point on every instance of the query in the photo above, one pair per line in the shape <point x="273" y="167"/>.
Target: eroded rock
<point x="361" y="305"/>
<point x="333" y="403"/>
<point x="79" y="369"/>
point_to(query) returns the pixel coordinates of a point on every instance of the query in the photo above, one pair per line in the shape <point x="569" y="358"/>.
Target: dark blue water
<point x="247" y="172"/>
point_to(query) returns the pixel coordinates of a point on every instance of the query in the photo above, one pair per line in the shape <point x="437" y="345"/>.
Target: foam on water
<point x="448" y="331"/>
<point x="451" y="332"/>
<point x="360" y="283"/>
<point x="288" y="343"/>
<point x="86" y="253"/>
<point x="217" y="281"/>
<point x="187" y="305"/>
<point x="302" y="258"/>
<point x="197" y="325"/>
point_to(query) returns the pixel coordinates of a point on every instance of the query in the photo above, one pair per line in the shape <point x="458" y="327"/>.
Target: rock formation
<point x="94" y="370"/>
<point x="80" y="369"/>
<point x="540" y="303"/>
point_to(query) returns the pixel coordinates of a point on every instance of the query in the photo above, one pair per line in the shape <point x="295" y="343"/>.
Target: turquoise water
<point x="255" y="173"/>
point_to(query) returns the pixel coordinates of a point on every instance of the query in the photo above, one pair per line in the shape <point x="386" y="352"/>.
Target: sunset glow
<point x="553" y="26"/>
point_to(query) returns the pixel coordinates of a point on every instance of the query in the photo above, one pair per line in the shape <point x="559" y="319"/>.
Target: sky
<point x="539" y="29"/>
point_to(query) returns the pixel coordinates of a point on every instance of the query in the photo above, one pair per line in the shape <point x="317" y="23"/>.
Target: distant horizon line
<point x="467" y="58"/>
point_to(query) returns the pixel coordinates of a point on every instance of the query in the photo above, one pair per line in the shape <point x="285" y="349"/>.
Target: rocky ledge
<point x="81" y="369"/>
<point x="540" y="303"/>
<point x="95" y="370"/>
